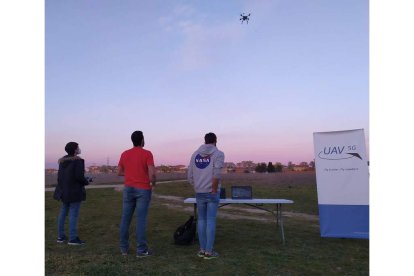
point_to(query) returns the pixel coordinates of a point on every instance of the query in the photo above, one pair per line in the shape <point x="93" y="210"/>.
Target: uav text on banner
<point x="343" y="183"/>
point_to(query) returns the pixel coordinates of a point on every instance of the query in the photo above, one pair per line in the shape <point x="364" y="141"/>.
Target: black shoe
<point x="62" y="239"/>
<point x="76" y="241"/>
<point x="146" y="253"/>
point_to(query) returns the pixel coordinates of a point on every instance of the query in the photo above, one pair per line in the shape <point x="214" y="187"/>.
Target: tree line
<point x="270" y="168"/>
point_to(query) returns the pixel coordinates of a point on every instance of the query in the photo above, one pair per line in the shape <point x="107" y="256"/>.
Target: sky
<point x="179" y="69"/>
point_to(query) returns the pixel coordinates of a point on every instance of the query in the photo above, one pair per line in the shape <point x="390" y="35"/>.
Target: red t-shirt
<point x="135" y="164"/>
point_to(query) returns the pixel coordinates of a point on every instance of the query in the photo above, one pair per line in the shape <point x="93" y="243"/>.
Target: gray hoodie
<point x="205" y="164"/>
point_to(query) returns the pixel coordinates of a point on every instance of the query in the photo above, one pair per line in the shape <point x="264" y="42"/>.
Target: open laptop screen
<point x="241" y="192"/>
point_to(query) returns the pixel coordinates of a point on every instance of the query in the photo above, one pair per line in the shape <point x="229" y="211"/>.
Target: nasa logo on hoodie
<point x="202" y="162"/>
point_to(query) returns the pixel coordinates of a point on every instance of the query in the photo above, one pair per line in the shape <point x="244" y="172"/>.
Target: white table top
<point x="251" y="201"/>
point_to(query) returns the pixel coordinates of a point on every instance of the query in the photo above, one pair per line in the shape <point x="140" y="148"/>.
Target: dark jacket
<point x="71" y="180"/>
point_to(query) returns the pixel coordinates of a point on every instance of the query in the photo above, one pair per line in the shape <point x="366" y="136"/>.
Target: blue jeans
<point x="134" y="198"/>
<point x="207" y="205"/>
<point x="73" y="210"/>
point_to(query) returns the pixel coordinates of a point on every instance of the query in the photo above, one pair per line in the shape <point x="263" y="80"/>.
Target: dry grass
<point x="112" y="178"/>
<point x="247" y="246"/>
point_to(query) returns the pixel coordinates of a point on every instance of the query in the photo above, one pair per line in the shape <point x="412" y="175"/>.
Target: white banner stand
<point x="342" y="183"/>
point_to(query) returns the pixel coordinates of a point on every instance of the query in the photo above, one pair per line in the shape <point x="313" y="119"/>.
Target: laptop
<point x="241" y="192"/>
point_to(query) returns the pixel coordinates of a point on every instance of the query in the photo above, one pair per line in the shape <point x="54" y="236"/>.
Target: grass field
<point x="111" y="178"/>
<point x="246" y="246"/>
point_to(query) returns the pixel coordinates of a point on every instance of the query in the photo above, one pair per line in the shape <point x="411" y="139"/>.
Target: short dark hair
<point x="210" y="138"/>
<point x="71" y="147"/>
<point x="137" y="137"/>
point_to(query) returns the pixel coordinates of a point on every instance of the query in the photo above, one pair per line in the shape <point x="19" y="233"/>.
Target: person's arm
<point x="80" y="172"/>
<point x="151" y="169"/>
<point x="152" y="175"/>
<point x="59" y="175"/>
<point x="120" y="171"/>
<point x="215" y="185"/>
<point x="217" y="167"/>
<point x="190" y="173"/>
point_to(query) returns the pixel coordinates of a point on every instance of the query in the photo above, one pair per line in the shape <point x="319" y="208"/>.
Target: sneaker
<point x="62" y="239"/>
<point x="146" y="253"/>
<point x="76" y="241"/>
<point x="201" y="254"/>
<point x="212" y="255"/>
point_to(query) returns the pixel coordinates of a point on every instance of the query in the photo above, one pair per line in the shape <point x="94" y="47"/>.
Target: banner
<point x="342" y="183"/>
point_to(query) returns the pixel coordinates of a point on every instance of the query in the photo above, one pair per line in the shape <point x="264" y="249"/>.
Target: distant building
<point x="299" y="168"/>
<point x="285" y="169"/>
<point x="229" y="167"/>
<point x="246" y="166"/>
<point x="51" y="171"/>
<point x="94" y="169"/>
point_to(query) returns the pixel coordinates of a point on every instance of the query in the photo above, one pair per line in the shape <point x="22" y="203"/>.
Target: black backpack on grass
<point x="185" y="234"/>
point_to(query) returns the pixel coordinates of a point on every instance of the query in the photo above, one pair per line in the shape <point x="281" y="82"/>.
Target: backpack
<point x="185" y="234"/>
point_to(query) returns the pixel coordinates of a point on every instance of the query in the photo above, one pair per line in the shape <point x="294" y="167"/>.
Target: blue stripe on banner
<point x="344" y="221"/>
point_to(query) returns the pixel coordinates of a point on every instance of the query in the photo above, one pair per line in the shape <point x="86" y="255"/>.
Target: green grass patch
<point x="246" y="247"/>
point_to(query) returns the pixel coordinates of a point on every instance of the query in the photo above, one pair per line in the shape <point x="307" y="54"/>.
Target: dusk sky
<point x="179" y="69"/>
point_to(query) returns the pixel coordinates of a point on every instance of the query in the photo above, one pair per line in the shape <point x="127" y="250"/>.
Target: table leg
<point x="281" y="223"/>
<point x="277" y="214"/>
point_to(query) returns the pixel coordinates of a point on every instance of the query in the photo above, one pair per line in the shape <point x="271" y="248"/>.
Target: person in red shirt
<point x="137" y="167"/>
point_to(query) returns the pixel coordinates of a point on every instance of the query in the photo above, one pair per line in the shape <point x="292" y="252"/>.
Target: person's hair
<point x="71" y="147"/>
<point x="137" y="137"/>
<point x="210" y="138"/>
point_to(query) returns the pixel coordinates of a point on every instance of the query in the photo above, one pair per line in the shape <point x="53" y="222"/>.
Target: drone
<point x="244" y="17"/>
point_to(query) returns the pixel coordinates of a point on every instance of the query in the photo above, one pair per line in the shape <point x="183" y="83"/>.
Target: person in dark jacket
<point x="71" y="191"/>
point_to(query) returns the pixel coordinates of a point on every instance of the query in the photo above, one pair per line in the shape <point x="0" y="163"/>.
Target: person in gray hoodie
<point x="204" y="173"/>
